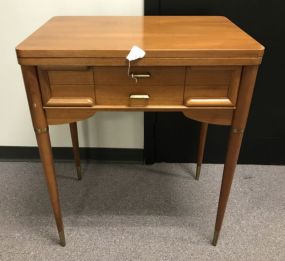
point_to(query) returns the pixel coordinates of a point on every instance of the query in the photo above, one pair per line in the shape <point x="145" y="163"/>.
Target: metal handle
<point x="139" y="96"/>
<point x="136" y="76"/>
<point x="141" y="75"/>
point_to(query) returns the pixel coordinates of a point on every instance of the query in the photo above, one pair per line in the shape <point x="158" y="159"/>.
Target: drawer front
<point x="67" y="86"/>
<point x="155" y="86"/>
<point x="154" y="76"/>
<point x="139" y="95"/>
<point x="212" y="86"/>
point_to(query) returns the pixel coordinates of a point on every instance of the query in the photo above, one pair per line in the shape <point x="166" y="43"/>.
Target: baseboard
<point x="12" y="153"/>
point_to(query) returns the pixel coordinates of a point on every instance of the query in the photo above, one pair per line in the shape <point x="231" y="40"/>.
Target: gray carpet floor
<point x="138" y="212"/>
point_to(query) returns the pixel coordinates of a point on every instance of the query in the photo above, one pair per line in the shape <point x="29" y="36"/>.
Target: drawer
<point x="139" y="96"/>
<point x="154" y="76"/>
<point x="155" y="86"/>
<point x="212" y="86"/>
<point x="67" y="86"/>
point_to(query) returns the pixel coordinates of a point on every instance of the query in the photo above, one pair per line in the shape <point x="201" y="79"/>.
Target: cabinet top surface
<point x="159" y="36"/>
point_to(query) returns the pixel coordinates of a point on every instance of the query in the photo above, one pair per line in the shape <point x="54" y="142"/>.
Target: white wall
<point x="20" y="18"/>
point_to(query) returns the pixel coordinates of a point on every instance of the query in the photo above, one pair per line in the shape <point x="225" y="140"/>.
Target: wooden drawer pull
<point x="70" y="102"/>
<point x="139" y="96"/>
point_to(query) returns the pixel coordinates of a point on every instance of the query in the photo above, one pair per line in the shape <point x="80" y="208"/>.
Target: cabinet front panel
<point x="212" y="86"/>
<point x="67" y="86"/>
<point x="195" y="86"/>
<point x="71" y="77"/>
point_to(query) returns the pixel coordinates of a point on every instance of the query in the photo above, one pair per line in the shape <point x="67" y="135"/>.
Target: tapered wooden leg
<point x="234" y="144"/>
<point x="44" y="145"/>
<point x="43" y="139"/>
<point x="201" y="148"/>
<point x="75" y="147"/>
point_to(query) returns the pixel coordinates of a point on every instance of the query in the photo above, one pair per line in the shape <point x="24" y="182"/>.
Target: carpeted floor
<point x="137" y="212"/>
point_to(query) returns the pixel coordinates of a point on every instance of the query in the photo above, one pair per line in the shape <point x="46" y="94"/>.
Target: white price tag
<point x="135" y="53"/>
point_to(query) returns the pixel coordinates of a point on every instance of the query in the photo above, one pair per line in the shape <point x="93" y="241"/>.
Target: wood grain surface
<point x="195" y="37"/>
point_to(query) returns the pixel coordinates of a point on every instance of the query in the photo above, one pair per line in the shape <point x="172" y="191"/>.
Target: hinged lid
<point x="159" y="36"/>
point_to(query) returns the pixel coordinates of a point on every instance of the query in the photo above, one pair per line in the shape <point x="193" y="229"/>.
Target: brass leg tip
<point x="198" y="170"/>
<point x="78" y="171"/>
<point x="61" y="238"/>
<point x="215" y="238"/>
